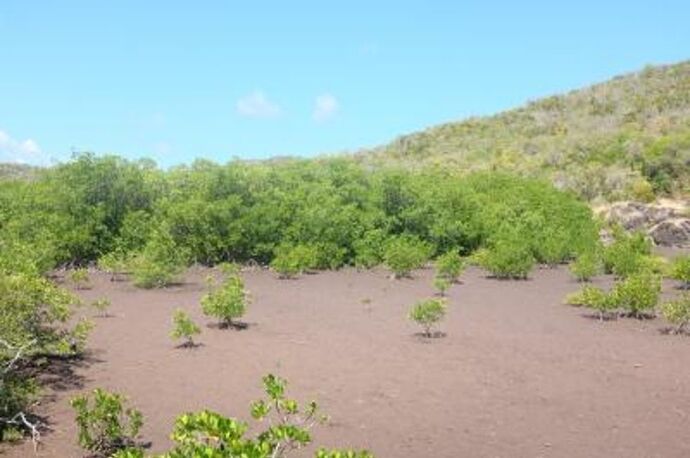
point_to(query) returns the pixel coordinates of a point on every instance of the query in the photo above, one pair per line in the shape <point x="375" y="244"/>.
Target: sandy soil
<point x="518" y="374"/>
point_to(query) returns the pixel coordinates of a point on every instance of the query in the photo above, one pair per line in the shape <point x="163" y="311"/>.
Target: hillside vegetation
<point x="627" y="137"/>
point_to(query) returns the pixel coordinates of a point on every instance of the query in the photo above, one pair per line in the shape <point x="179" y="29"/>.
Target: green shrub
<point x="627" y="255"/>
<point x="507" y="259"/>
<point x="101" y="305"/>
<point x="450" y="265"/>
<point x="642" y="190"/>
<point x="441" y="284"/>
<point x="210" y="434"/>
<point x="184" y="328"/>
<point x="226" y="302"/>
<point x="677" y="312"/>
<point x="79" y="278"/>
<point x="159" y="264"/>
<point x="637" y="294"/>
<point x="369" y="248"/>
<point x="105" y="425"/>
<point x="114" y="263"/>
<point x="404" y="254"/>
<point x="292" y="260"/>
<point x="593" y="298"/>
<point x="428" y="314"/>
<point x="680" y="270"/>
<point x="585" y="266"/>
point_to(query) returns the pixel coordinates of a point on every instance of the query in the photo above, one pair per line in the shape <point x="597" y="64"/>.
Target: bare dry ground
<point x="518" y="374"/>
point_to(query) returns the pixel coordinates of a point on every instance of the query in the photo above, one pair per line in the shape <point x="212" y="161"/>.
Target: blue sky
<point x="177" y="80"/>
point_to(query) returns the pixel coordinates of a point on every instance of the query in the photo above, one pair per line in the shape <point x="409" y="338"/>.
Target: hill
<point x="627" y="137"/>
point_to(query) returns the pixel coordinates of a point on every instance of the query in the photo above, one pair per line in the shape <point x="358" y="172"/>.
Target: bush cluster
<point x="302" y="214"/>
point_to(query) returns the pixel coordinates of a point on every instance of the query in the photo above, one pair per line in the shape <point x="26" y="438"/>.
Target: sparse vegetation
<point x="80" y="278"/>
<point x="441" y="284"/>
<point x="226" y="302"/>
<point x="601" y="142"/>
<point x="210" y="434"/>
<point x="101" y="305"/>
<point x="596" y="299"/>
<point x="428" y="314"/>
<point x="677" y="312"/>
<point x="184" y="328"/>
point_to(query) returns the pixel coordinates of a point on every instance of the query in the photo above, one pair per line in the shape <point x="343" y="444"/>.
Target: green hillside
<point x="622" y="138"/>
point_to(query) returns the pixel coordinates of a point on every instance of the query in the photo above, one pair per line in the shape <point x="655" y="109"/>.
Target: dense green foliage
<point x="290" y="261"/>
<point x="625" y="138"/>
<point x="300" y="214"/>
<point x="404" y="254"/>
<point x="105" y="425"/>
<point x="428" y="313"/>
<point x="628" y="254"/>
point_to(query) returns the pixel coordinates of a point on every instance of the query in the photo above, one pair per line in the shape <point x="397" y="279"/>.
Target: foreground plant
<point x="184" y="328"/>
<point x="210" y="434"/>
<point x="428" y="314"/>
<point x="34" y="321"/>
<point x="105" y="425"/>
<point x="226" y="302"/>
<point x="677" y="312"/>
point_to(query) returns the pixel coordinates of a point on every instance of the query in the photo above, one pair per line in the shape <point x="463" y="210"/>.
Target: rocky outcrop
<point x="667" y="223"/>
<point x="671" y="232"/>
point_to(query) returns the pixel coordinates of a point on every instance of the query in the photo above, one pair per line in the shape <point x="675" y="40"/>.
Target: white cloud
<point x="257" y="105"/>
<point x="325" y="107"/>
<point x="20" y="151"/>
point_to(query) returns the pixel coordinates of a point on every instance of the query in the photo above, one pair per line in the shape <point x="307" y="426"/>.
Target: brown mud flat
<point x="517" y="375"/>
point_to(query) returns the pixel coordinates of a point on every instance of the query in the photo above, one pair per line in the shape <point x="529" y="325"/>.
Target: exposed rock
<point x="674" y="231"/>
<point x="666" y="223"/>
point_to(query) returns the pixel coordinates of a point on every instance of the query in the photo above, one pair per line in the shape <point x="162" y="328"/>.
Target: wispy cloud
<point x="257" y="105"/>
<point x="20" y="151"/>
<point x="326" y="106"/>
